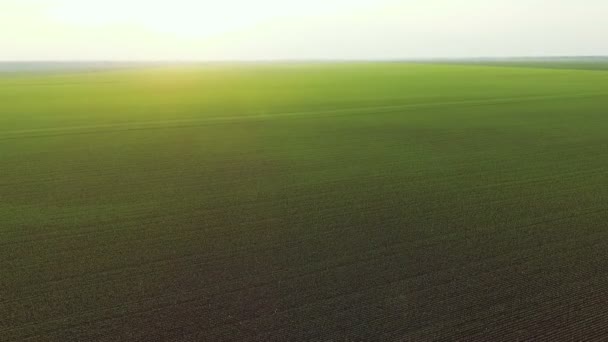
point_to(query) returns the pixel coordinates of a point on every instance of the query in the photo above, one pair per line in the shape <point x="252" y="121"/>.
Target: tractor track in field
<point x="189" y="123"/>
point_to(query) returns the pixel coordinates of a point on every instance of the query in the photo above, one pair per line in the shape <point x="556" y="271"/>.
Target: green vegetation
<point x="598" y="65"/>
<point x="321" y="202"/>
<point x="589" y="63"/>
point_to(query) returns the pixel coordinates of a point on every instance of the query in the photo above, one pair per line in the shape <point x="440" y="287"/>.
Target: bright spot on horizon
<point x="313" y="29"/>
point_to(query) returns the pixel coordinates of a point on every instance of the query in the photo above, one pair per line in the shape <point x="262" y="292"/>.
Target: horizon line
<point x="275" y="60"/>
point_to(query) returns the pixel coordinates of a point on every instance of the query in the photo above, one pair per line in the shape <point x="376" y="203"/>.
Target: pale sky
<point x="303" y="29"/>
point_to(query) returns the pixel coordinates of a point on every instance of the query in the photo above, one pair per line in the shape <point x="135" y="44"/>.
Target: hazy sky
<point x="302" y="29"/>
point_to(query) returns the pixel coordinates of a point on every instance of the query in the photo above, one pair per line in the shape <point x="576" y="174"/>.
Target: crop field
<point x="598" y="63"/>
<point x="325" y="202"/>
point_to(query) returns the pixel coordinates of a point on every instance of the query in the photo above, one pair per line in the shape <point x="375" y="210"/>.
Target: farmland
<point x="353" y="201"/>
<point x="572" y="63"/>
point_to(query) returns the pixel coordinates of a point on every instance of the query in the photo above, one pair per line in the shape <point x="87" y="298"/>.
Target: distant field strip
<point x="185" y="123"/>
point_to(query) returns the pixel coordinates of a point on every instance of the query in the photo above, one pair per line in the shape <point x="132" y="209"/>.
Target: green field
<point x="597" y="63"/>
<point x="369" y="201"/>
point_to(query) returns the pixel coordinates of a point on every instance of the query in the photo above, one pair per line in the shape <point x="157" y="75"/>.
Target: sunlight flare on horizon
<point x="273" y="29"/>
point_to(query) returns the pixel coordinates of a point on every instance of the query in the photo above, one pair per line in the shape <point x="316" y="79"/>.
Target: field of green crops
<point x="598" y="63"/>
<point x="371" y="201"/>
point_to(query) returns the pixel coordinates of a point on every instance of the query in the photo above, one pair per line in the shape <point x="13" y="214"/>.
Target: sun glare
<point x="279" y="29"/>
<point x="190" y="18"/>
